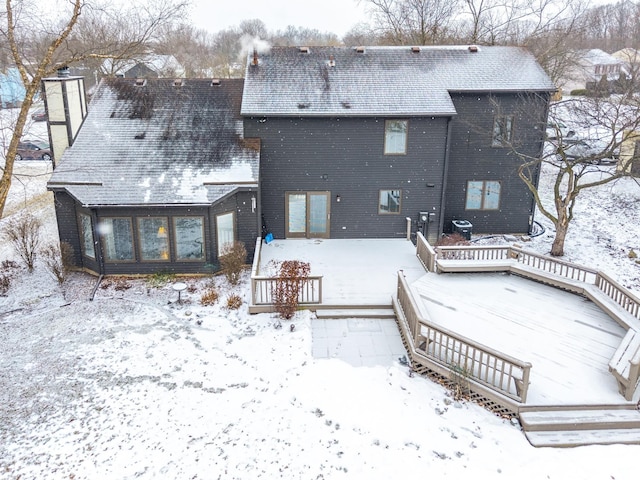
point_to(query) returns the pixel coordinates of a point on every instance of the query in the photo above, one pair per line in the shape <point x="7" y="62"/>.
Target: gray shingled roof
<point x="159" y="144"/>
<point x="382" y="80"/>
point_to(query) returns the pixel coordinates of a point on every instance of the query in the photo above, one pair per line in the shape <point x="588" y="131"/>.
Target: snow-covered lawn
<point x="132" y="386"/>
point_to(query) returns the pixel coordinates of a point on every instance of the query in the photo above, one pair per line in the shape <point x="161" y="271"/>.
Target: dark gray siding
<point x="344" y="156"/>
<point x="472" y="157"/>
<point x="67" y="224"/>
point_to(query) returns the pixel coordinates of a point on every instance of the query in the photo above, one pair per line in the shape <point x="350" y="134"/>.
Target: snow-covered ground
<point x="135" y="385"/>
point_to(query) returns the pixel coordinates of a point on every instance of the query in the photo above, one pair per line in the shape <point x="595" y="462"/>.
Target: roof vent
<point x="178" y="82"/>
<point x="359" y="49"/>
<point x="304" y="49"/>
<point x="63" y="72"/>
<point x="332" y="61"/>
<point x="303" y="105"/>
<point x="473" y="48"/>
<point x="215" y="82"/>
<point x="141" y="82"/>
<point x="415" y="49"/>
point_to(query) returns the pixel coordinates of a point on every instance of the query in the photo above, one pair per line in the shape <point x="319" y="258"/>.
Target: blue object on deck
<point x="268" y="238"/>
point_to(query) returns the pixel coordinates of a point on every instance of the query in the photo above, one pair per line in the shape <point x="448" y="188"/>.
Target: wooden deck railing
<point x="425" y="252"/>
<point x="553" y="265"/>
<point x="263" y="286"/>
<point x="472" y="252"/>
<point x="618" y="294"/>
<point x="462" y="356"/>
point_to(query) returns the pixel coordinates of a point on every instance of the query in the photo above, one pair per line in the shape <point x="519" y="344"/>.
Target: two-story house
<point x="328" y="142"/>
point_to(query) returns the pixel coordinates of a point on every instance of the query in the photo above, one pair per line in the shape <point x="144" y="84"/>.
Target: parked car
<point x="33" y="150"/>
<point x="40" y="115"/>
<point x="588" y="151"/>
<point x="557" y="130"/>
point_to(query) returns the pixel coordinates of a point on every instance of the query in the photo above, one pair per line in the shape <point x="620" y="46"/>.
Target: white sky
<point x="337" y="16"/>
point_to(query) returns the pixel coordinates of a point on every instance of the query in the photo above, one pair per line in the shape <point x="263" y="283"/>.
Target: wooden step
<point x="584" y="419"/>
<point x="356" y="313"/>
<point x="576" y="438"/>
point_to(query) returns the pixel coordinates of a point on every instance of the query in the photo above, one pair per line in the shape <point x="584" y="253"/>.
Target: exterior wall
<point x="473" y="158"/>
<point x="246" y="230"/>
<point x="345" y="156"/>
<point x="66" y="105"/>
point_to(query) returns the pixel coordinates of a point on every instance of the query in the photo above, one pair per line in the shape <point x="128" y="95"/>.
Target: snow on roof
<point x="159" y="143"/>
<point x="368" y="81"/>
<point x="599" y="57"/>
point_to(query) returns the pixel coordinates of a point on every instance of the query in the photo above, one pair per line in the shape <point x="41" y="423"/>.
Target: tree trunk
<point x="557" y="248"/>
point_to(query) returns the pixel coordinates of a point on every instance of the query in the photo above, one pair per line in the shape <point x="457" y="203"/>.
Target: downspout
<point x="97" y="246"/>
<point x="445" y="175"/>
<point x="539" y="167"/>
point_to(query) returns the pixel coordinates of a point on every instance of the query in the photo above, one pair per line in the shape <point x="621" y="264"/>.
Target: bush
<point x="451" y="240"/>
<point x="234" y="302"/>
<point x="580" y="92"/>
<point x="209" y="297"/>
<point x="160" y="279"/>
<point x="23" y="232"/>
<point x="58" y="259"/>
<point x="233" y="261"/>
<point x="292" y="275"/>
<point x="5" y="283"/>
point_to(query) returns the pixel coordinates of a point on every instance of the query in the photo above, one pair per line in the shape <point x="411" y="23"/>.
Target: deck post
<point x="408" y="228"/>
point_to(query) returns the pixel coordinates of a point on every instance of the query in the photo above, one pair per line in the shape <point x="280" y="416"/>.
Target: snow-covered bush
<point x="23" y="232"/>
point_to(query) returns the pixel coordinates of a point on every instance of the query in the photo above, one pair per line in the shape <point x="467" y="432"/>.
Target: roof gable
<point x="372" y="81"/>
<point x="155" y="142"/>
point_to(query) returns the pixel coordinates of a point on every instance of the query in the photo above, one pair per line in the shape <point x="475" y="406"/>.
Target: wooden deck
<point x="567" y="338"/>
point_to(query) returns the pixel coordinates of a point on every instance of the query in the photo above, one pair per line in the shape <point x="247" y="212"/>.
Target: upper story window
<point x="502" y="130"/>
<point x="395" y="137"/>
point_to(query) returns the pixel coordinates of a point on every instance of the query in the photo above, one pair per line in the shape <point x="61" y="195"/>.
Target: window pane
<point x="224" y="224"/>
<point x="502" y="130"/>
<point x="297" y="213"/>
<point x="189" y="236"/>
<point x="491" y="195"/>
<point x="87" y="236"/>
<point x="389" y="201"/>
<point x="474" y="196"/>
<point x="118" y="244"/>
<point x="395" y="137"/>
<point x="317" y="213"/>
<point x="154" y="238"/>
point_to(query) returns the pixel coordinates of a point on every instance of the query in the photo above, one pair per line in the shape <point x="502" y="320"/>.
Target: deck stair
<point x="573" y="426"/>
<point x="375" y="311"/>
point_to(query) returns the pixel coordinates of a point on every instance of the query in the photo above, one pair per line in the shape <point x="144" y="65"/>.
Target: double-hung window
<point x="483" y="195"/>
<point x="395" y="137"/>
<point x="502" y="130"/>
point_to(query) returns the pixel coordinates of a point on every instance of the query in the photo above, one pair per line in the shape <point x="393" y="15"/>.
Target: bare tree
<point x="583" y="134"/>
<point x="421" y="22"/>
<point x="70" y="38"/>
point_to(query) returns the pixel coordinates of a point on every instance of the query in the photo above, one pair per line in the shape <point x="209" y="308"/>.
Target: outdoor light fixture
<point x="338" y="198"/>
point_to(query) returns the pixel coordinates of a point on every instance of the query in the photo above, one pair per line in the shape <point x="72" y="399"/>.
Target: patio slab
<point x="355" y="272"/>
<point x="358" y="341"/>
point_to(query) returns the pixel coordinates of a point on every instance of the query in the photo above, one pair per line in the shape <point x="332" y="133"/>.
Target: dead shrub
<point x="5" y="283"/>
<point x="9" y="265"/>
<point x="58" y="259"/>
<point x="234" y="302"/>
<point x="452" y="240"/>
<point x="292" y="276"/>
<point x="23" y="232"/>
<point x="121" y="284"/>
<point x="233" y="261"/>
<point x="209" y="297"/>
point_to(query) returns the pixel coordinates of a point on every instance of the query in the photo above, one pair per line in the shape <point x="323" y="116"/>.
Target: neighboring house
<point x="630" y="153"/>
<point x="356" y="140"/>
<point x="148" y="66"/>
<point x="159" y="177"/>
<point x="631" y="61"/>
<point x="12" y="90"/>
<point x="324" y="142"/>
<point x="593" y="69"/>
